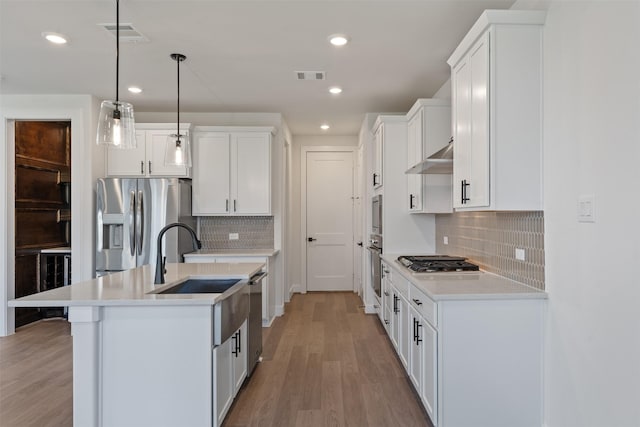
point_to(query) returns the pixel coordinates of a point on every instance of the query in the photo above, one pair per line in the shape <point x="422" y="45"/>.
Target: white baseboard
<point x="296" y="289"/>
<point x="279" y="310"/>
<point x="268" y="323"/>
<point x="370" y="309"/>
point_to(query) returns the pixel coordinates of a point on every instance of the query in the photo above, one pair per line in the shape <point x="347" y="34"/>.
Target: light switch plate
<point x="445" y="240"/>
<point x="520" y="254"/>
<point x="587" y="208"/>
<point x="233" y="236"/>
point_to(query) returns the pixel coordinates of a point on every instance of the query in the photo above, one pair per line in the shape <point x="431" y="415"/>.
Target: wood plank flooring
<point x="36" y="386"/>
<point x="325" y="363"/>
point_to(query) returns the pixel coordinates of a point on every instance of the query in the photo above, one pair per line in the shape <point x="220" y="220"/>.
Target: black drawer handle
<point x="417" y="301"/>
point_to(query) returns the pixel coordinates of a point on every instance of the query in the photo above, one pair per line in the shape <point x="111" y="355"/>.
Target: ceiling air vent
<point x="310" y="75"/>
<point x="127" y="33"/>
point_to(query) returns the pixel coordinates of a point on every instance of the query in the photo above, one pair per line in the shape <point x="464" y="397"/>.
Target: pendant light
<point x="178" y="151"/>
<point x="116" y="126"/>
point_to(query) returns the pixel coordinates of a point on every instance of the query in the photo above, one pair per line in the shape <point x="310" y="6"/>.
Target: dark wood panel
<point x="44" y="141"/>
<point x="38" y="186"/>
<point x="26" y="274"/>
<point x="38" y="228"/>
<point x="26" y="284"/>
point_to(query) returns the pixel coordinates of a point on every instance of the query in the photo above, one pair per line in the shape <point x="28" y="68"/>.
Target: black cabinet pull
<point x="395" y="303"/>
<point x="411" y="197"/>
<point x="414" y="329"/>
<point x="239" y="341"/>
<point x="235" y="203"/>
<point x="417" y="301"/>
<point x="226" y="205"/>
<point x="235" y="344"/>
<point x="149" y="167"/>
<point x="463" y="191"/>
<point x="375" y="181"/>
<point x="141" y="167"/>
<point x="418" y="339"/>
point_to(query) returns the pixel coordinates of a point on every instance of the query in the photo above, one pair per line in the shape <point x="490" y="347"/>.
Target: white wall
<point x="592" y="147"/>
<point x="298" y="246"/>
<point x="87" y="165"/>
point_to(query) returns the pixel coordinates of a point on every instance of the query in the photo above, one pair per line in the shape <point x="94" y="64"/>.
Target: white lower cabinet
<point x="230" y="363"/>
<point x="473" y="362"/>
<point x="423" y="359"/>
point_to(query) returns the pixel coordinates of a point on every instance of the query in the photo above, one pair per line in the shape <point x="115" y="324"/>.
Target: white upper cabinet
<point x="429" y="130"/>
<point x="147" y="159"/>
<point x="378" y="154"/>
<point x="232" y="171"/>
<point x="496" y="80"/>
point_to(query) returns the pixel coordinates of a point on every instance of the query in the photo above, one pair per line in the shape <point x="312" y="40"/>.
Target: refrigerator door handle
<point x="140" y="221"/>
<point x="132" y="222"/>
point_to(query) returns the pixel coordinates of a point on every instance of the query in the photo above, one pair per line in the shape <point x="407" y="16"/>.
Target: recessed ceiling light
<point x="134" y="89"/>
<point x="338" y="39"/>
<point x="324" y="126"/>
<point x="335" y="90"/>
<point x="55" y="38"/>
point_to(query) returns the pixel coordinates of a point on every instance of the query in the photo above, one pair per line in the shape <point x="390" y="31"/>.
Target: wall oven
<point x="376" y="214"/>
<point x="375" y="250"/>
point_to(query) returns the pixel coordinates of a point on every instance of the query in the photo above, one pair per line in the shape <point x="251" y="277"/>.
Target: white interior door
<point x="329" y="210"/>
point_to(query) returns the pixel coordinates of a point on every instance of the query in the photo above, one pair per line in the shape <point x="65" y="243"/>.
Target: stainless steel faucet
<point x="160" y="261"/>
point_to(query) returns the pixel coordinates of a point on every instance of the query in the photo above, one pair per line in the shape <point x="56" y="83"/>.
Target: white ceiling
<point x="241" y="55"/>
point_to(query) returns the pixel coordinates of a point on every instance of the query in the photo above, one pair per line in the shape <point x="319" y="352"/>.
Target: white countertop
<point x="465" y="285"/>
<point x="132" y="287"/>
<point x="232" y="252"/>
<point x="60" y="250"/>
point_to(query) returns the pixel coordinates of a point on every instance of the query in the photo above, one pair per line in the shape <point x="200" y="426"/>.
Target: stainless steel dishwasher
<point x="254" y="326"/>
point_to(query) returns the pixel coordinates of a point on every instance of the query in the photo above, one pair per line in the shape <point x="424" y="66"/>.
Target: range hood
<point x="440" y="162"/>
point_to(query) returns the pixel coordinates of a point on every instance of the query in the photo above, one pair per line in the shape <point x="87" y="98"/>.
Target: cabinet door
<point x="416" y="350"/>
<point x="224" y="382"/>
<point x="128" y="162"/>
<point x="429" y="369"/>
<point x="378" y="151"/>
<point x="211" y="156"/>
<point x="404" y="333"/>
<point x="251" y="182"/>
<point x="156" y="148"/>
<point x="239" y="357"/>
<point x="461" y="85"/>
<point x="414" y="156"/>
<point x="478" y="190"/>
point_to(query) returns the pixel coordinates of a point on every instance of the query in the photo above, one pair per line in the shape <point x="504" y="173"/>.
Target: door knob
<point x="311" y="239"/>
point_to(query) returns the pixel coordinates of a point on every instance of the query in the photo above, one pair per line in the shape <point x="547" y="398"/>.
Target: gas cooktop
<point x="436" y="263"/>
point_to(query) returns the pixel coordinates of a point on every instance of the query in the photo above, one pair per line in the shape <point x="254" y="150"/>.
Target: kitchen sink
<point x="201" y="286"/>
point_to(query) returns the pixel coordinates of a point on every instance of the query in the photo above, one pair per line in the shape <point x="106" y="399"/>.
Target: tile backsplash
<point x="490" y="240"/>
<point x="254" y="232"/>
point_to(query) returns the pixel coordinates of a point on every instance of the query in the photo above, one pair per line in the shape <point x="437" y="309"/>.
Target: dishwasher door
<point x="254" y="326"/>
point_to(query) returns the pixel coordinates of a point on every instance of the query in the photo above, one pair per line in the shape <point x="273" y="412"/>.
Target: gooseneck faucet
<point x="160" y="261"/>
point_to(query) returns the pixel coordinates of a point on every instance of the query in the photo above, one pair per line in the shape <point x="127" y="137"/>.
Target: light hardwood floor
<point x="325" y="363"/>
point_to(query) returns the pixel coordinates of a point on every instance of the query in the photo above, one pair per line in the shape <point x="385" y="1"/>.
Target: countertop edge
<point x="233" y="252"/>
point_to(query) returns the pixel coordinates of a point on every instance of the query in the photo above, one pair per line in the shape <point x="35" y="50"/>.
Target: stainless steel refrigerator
<point x="130" y="214"/>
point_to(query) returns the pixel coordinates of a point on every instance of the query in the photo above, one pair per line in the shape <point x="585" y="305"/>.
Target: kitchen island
<point x="141" y="358"/>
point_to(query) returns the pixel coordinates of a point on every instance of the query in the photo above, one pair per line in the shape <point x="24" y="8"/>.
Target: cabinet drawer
<point x="424" y="305"/>
<point x="402" y="286"/>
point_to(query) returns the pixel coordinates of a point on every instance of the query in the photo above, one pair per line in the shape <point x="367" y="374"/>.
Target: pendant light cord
<point x="178" y="130"/>
<point x="117" y="50"/>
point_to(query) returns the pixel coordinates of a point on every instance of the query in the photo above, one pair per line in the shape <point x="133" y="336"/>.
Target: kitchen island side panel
<point x="156" y="366"/>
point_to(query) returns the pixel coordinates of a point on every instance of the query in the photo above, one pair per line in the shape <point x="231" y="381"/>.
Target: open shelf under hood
<point x="440" y="162"/>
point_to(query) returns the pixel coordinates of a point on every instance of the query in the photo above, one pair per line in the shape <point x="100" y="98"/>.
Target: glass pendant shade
<point x="178" y="151"/>
<point x="116" y="125"/>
